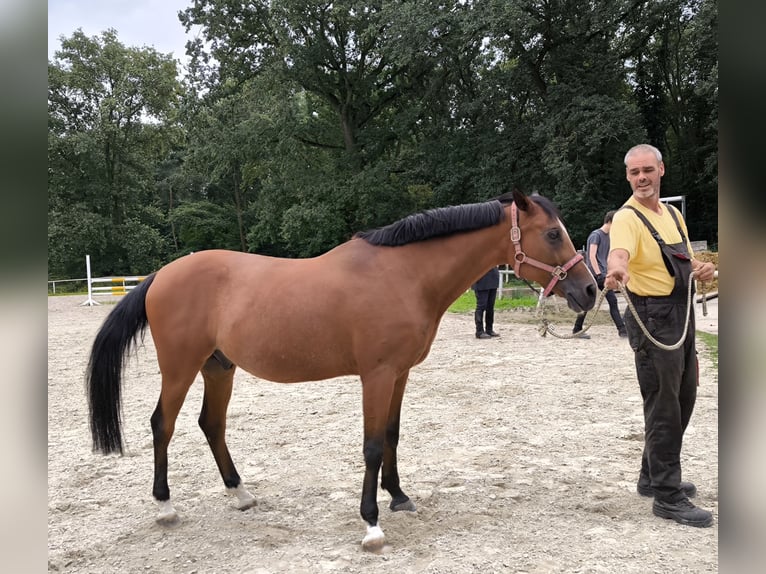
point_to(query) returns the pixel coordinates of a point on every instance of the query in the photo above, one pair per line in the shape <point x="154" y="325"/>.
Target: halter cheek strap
<point x="558" y="273"/>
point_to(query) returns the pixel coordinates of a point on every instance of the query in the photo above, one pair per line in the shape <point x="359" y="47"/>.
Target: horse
<point x="372" y="308"/>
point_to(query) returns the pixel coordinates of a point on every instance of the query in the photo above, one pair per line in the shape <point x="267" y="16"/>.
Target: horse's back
<point x="281" y="319"/>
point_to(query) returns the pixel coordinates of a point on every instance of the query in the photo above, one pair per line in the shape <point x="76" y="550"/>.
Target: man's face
<point x="644" y="172"/>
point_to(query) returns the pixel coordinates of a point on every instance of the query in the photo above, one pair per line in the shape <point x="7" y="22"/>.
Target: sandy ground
<point x="521" y="454"/>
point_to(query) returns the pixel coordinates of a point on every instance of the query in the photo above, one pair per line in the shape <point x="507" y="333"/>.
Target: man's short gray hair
<point x="643" y="148"/>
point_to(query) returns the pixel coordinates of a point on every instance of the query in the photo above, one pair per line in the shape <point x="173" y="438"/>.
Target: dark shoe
<point x="491" y="333"/>
<point x="683" y="512"/>
<point x="623" y="333"/>
<point x="644" y="488"/>
<point x="581" y="335"/>
<point x="482" y="335"/>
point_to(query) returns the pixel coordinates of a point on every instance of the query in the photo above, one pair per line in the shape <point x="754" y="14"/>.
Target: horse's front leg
<point x="390" y="473"/>
<point x="377" y="391"/>
<point x="373" y="457"/>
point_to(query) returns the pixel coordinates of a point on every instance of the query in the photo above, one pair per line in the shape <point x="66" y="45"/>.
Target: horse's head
<point x="541" y="251"/>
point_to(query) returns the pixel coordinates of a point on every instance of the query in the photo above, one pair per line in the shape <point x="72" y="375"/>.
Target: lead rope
<point x="643" y="328"/>
<point x="546" y="327"/>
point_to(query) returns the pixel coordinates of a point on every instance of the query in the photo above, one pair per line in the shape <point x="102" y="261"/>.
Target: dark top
<point x="490" y="280"/>
<point x="601" y="240"/>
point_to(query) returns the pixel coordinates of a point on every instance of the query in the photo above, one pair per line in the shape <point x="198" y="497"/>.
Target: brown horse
<point x="370" y="306"/>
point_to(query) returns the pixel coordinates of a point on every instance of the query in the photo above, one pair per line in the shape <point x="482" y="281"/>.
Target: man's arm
<point x="592" y="250"/>
<point x="617" y="269"/>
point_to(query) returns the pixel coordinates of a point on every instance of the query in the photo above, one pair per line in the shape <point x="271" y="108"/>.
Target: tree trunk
<point x="238" y="205"/>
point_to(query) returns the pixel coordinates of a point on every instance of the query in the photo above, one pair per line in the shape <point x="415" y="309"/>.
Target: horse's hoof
<point x="406" y="505"/>
<point x="374" y="540"/>
<point x="245" y="500"/>
<point x="167" y="515"/>
<point x="245" y="504"/>
<point x="168" y="519"/>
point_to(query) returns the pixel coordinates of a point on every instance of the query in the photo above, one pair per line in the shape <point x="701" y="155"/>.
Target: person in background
<point x="596" y="252"/>
<point x="652" y="258"/>
<point x="486" y="293"/>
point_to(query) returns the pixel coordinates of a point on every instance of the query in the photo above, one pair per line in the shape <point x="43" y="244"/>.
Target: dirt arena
<point x="521" y="454"/>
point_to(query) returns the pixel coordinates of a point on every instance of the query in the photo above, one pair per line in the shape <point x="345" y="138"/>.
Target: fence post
<point x="90" y="301"/>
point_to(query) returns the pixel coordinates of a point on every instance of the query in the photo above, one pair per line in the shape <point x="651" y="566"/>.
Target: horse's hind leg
<point x="390" y="474"/>
<point x="218" y="374"/>
<point x="163" y="421"/>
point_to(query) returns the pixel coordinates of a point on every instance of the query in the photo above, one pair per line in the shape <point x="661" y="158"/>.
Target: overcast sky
<point x="138" y="22"/>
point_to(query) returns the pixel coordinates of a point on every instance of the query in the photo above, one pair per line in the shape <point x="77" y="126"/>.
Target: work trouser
<point x="668" y="382"/>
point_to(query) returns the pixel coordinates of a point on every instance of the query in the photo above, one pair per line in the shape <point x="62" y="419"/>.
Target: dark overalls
<point x="668" y="379"/>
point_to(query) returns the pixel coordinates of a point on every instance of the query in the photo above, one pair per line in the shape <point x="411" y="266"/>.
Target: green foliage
<point x="677" y="93"/>
<point x="299" y="123"/>
<point x="73" y="233"/>
<point x="204" y="225"/>
<point x="141" y="248"/>
<point x="311" y="228"/>
<point x="108" y="107"/>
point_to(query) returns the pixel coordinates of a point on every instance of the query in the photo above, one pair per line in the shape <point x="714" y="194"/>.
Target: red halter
<point x="558" y="273"/>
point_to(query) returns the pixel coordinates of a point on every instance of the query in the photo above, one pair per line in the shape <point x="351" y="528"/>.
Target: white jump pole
<point x="90" y="301"/>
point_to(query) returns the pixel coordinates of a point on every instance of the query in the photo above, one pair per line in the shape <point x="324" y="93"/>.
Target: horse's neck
<point x="448" y="267"/>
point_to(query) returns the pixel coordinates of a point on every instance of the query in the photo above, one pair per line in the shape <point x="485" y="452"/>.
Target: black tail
<point x="103" y="378"/>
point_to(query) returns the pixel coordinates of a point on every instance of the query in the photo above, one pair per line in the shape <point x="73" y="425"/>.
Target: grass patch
<point x="467" y="302"/>
<point x="711" y="344"/>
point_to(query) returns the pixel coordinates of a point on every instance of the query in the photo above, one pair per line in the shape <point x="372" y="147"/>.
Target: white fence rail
<point x="52" y="284"/>
<point x="113" y="285"/>
<point x="514" y="291"/>
<point x="100" y="286"/>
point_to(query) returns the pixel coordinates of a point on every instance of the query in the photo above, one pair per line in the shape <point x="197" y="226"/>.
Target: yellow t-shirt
<point x="648" y="274"/>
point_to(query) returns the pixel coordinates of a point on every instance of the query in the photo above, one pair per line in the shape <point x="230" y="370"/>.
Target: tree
<point x="677" y="91"/>
<point x="540" y="103"/>
<point x="346" y="81"/>
<point x="108" y="110"/>
<point x="301" y="123"/>
<point x="359" y="58"/>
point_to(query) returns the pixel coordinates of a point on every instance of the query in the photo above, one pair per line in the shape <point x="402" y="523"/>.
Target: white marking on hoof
<point x="245" y="500"/>
<point x="167" y="515"/>
<point x="374" y="540"/>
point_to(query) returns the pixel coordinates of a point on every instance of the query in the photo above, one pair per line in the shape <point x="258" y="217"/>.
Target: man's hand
<point x="703" y="270"/>
<point x="616" y="278"/>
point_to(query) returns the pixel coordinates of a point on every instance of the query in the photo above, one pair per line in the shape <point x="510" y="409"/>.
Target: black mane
<point x="436" y="223"/>
<point x="448" y="220"/>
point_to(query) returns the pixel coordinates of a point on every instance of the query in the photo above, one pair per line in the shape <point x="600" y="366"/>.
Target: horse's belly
<point x="291" y="361"/>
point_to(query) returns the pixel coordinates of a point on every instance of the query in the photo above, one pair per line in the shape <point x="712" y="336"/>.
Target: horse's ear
<point x="521" y="200"/>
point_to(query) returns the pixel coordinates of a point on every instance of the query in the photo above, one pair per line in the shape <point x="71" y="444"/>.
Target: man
<point x="596" y="252"/>
<point x="486" y="293"/>
<point x="668" y="379"/>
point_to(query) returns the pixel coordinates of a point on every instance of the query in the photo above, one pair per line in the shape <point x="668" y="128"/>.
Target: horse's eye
<point x="554" y="234"/>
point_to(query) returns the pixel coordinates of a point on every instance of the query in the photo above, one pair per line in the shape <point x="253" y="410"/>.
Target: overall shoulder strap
<point x="678" y="224"/>
<point x="643" y="218"/>
<point x="670" y="253"/>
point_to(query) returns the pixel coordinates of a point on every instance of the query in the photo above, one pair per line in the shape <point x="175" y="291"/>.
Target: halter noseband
<point x="558" y="273"/>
